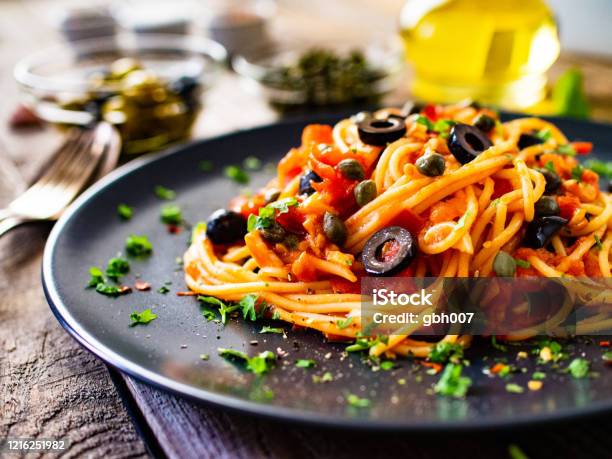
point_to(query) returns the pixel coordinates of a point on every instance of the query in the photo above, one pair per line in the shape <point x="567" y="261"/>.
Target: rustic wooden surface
<point x="50" y="387"/>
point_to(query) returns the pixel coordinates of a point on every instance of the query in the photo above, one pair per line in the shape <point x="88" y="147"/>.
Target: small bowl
<point x="262" y="73"/>
<point x="59" y="84"/>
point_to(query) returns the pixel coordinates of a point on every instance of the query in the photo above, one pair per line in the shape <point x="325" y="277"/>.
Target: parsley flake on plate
<point x="125" y="212"/>
<point x="117" y="267"/>
<point x="452" y="383"/>
<point x="237" y="174"/>
<point x="112" y="290"/>
<point x="357" y="402"/>
<point x="259" y="364"/>
<point x="326" y="377"/>
<point x="142" y="318"/>
<point x="514" y="388"/>
<point x="252" y="163"/>
<point x="97" y="277"/>
<point x="171" y="214"/>
<point x="342" y="324"/>
<point x="138" y="246"/>
<point x="164" y="193"/>
<point x="443" y="352"/>
<point x="305" y="363"/>
<point x="268" y="329"/>
<point x="579" y="368"/>
<point x="163" y="290"/>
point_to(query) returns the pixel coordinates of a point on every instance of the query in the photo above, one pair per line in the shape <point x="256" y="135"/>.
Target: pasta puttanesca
<point x="461" y="219"/>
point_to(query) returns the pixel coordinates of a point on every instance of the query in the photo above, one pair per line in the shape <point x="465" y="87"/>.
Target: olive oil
<point x="493" y="51"/>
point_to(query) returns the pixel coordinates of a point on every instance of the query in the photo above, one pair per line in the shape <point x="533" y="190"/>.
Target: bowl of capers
<point x="150" y="87"/>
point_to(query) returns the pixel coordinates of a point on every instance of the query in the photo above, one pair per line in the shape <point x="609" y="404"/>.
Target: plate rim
<point x="269" y="411"/>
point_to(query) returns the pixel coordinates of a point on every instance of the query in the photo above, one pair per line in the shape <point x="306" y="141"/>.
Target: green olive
<point x="144" y="87"/>
<point x="334" y="228"/>
<point x="365" y="192"/>
<point x="351" y="169"/>
<point x="484" y="122"/>
<point x="504" y="265"/>
<point x="547" y="206"/>
<point x="431" y="165"/>
<point x="274" y="233"/>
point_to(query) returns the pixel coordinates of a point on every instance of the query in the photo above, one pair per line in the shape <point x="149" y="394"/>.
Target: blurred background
<point x="78" y="63"/>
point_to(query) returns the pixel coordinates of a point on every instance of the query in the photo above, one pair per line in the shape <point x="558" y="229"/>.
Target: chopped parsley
<point x="515" y="452"/>
<point x="171" y="214"/>
<point x="522" y="263"/>
<point x="251" y="163"/>
<point x="443" y="352"/>
<point x="544" y="135"/>
<point x="425" y="122"/>
<point x="204" y="356"/>
<point x="443" y="127"/>
<point x="267" y="329"/>
<point x="326" y="377"/>
<point x="607" y="356"/>
<point x="538" y="375"/>
<point x="305" y="363"/>
<point x="566" y="150"/>
<point x="577" y="172"/>
<point x="387" y="365"/>
<point x="451" y="383"/>
<point x="514" y="388"/>
<point x="603" y="168"/>
<point x="342" y="324"/>
<point x="579" y="368"/>
<point x="142" y="318"/>
<point x="258" y="364"/>
<point x="498" y="346"/>
<point x="164" y="193"/>
<point x="357" y="402"/>
<point x="111" y="290"/>
<point x="125" y="212"/>
<point x="236" y="174"/>
<point x="97" y="277"/>
<point x="117" y="267"/>
<point x="163" y="290"/>
<point x="206" y="165"/>
<point x="267" y="214"/>
<point x="598" y="243"/>
<point x="550" y="166"/>
<point x="247" y="306"/>
<point x="138" y="246"/>
<point x="224" y="309"/>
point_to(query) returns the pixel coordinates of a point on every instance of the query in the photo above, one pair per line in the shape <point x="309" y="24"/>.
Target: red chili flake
<point x="604" y="343"/>
<point x="436" y="366"/>
<point x="175" y="229"/>
<point x="497" y="368"/>
<point x="142" y="286"/>
<point x="582" y="148"/>
<point x="186" y="293"/>
<point x="124" y="289"/>
<point x="24" y="117"/>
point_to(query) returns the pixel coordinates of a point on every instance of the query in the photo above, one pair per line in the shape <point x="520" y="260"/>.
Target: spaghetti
<point x="306" y="270"/>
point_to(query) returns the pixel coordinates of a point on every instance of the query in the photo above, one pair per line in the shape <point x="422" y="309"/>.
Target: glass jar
<point x="494" y="51"/>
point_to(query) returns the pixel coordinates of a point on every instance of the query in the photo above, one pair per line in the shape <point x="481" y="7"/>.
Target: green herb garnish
<point x="550" y="166"/>
<point x="171" y="214"/>
<point x="258" y="364"/>
<point x="164" y="193"/>
<point x="514" y="388"/>
<point x="451" y="383"/>
<point x="142" y="318"/>
<point x="224" y="309"/>
<point x="305" y="363"/>
<point x="117" y="267"/>
<point x="537" y="375"/>
<point x="111" y="290"/>
<point x="267" y="214"/>
<point x="443" y="127"/>
<point x="443" y="352"/>
<point x="421" y="119"/>
<point x="236" y="174"/>
<point x="251" y="163"/>
<point x="566" y="150"/>
<point x="598" y="243"/>
<point x="342" y="324"/>
<point x="544" y="135"/>
<point x="138" y="246"/>
<point x="515" y="452"/>
<point x="577" y="173"/>
<point x="163" y="290"/>
<point x="357" y="402"/>
<point x="124" y="211"/>
<point x="603" y="168"/>
<point x="387" y="365"/>
<point x="97" y="277"/>
<point x="579" y="368"/>
<point x="247" y="306"/>
<point x="268" y="329"/>
<point x="522" y="263"/>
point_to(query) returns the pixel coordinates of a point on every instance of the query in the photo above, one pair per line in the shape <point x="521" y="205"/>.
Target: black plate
<point x="167" y="352"/>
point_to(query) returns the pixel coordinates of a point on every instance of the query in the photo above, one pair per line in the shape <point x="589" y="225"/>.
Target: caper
<point x="504" y="265"/>
<point x="274" y="233"/>
<point x="546" y="206"/>
<point x="365" y="192"/>
<point x="553" y="182"/>
<point x="431" y="165"/>
<point x="484" y="122"/>
<point x="351" y="169"/>
<point x="334" y="228"/>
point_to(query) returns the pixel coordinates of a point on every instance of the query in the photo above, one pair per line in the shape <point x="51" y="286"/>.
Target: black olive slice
<point x="305" y="185"/>
<point x="553" y="182"/>
<point x="373" y="131"/>
<point x="527" y="140"/>
<point x="467" y="142"/>
<point x="540" y="230"/>
<point x="388" y="251"/>
<point x="225" y="227"/>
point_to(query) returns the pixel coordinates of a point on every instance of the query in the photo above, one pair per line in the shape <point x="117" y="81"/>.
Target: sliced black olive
<point x="484" y="122"/>
<point x="466" y="142"/>
<point x="373" y="131"/>
<point x="527" y="140"/>
<point x="546" y="206"/>
<point x="553" y="181"/>
<point x="305" y="185"/>
<point x="540" y="230"/>
<point x="225" y="227"/>
<point x="388" y="251"/>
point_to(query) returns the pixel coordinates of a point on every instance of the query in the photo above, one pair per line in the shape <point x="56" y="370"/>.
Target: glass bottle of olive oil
<point x="493" y="51"/>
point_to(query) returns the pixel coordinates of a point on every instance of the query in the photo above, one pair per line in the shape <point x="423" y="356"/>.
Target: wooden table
<point x="50" y="387"/>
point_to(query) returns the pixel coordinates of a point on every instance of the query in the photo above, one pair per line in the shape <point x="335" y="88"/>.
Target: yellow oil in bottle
<point x="493" y="51"/>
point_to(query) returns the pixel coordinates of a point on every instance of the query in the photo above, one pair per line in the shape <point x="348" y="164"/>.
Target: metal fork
<point x="72" y="167"/>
